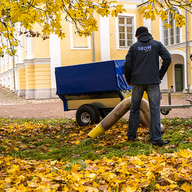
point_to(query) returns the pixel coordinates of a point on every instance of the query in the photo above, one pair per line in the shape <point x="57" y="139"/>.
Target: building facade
<point x="31" y="73"/>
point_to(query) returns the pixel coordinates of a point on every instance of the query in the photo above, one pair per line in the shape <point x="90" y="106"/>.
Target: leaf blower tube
<point x="118" y="112"/>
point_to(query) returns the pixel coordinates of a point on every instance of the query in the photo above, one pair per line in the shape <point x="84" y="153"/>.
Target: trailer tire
<point x="87" y="114"/>
<point x="164" y="112"/>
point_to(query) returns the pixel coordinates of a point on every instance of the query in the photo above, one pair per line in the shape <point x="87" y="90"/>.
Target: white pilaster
<point x="164" y="81"/>
<point x="185" y="74"/>
<point x="29" y="47"/>
<point x="18" y="61"/>
<point x="20" y="48"/>
<point x="5" y="61"/>
<point x="55" y="56"/>
<point x="104" y="38"/>
<point x="190" y="89"/>
<point x="147" y="23"/>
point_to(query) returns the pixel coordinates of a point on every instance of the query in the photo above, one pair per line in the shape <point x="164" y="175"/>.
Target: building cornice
<point x="41" y="60"/>
<point x="19" y="65"/>
<point x="179" y="45"/>
<point x="8" y="72"/>
<point x="190" y="43"/>
<point x="37" y="61"/>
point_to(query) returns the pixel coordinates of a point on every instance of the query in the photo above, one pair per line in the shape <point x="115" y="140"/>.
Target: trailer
<point x="92" y="89"/>
<point x="165" y="109"/>
<point x="95" y="89"/>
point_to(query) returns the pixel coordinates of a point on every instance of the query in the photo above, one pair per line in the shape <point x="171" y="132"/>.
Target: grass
<point x="63" y="139"/>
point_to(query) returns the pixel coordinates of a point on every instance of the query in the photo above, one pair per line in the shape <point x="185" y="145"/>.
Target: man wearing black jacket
<point x="141" y="69"/>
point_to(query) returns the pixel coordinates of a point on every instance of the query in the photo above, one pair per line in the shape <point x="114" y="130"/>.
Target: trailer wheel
<point x="164" y="111"/>
<point x="87" y="114"/>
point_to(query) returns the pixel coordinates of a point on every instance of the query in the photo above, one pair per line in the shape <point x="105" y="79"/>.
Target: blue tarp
<point x="122" y="83"/>
<point x="90" y="78"/>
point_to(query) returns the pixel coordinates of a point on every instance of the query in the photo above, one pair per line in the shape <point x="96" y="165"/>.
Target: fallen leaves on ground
<point x="157" y="172"/>
<point x="71" y="134"/>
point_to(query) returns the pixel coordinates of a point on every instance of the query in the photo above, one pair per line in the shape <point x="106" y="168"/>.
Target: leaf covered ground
<point x="57" y="155"/>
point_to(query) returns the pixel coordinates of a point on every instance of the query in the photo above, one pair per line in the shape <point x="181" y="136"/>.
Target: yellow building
<point x="31" y="73"/>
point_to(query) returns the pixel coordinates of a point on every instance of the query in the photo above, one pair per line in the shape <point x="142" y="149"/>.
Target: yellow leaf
<point x="91" y="189"/>
<point x="129" y="189"/>
<point x="149" y="7"/>
<point x="183" y="153"/>
<point x="185" y="187"/>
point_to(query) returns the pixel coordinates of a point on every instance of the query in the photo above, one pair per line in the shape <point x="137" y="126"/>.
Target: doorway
<point x="178" y="77"/>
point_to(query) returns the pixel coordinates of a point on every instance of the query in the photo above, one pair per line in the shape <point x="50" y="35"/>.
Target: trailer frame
<point x="165" y="109"/>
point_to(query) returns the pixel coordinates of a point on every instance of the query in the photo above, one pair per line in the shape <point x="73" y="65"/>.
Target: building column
<point x="29" y="48"/>
<point x="20" y="48"/>
<point x="19" y="66"/>
<point x="21" y="79"/>
<point x="30" y="79"/>
<point x="29" y="69"/>
<point x="104" y="38"/>
<point x="55" y="56"/>
<point x="147" y="23"/>
<point x="190" y="61"/>
<point x="185" y="76"/>
<point x="42" y="78"/>
<point x="190" y="89"/>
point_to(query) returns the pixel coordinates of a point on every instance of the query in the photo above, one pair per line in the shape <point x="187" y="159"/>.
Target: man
<point x="141" y="69"/>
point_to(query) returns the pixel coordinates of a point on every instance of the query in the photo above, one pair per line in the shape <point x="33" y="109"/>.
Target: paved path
<point x="12" y="106"/>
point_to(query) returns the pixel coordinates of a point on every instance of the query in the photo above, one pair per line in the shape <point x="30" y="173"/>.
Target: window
<point x="125" y="31"/>
<point x="171" y="35"/>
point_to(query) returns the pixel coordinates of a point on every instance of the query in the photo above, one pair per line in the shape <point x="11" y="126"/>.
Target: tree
<point x="152" y="8"/>
<point x="49" y="14"/>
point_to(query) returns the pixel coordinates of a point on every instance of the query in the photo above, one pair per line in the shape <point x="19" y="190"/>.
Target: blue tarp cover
<point x="90" y="78"/>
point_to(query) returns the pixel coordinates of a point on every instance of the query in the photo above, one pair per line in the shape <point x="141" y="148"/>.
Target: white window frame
<point x="169" y="32"/>
<point x="117" y="30"/>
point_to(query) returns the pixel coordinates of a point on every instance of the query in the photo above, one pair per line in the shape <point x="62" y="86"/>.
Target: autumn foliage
<point x="157" y="172"/>
<point x="72" y="171"/>
<point x="153" y="8"/>
<point x="18" y="17"/>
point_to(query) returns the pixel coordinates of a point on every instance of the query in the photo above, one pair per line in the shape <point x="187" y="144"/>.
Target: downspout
<point x="186" y="66"/>
<point x="93" y="40"/>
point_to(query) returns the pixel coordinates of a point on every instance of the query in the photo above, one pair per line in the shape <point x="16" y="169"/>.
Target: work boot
<point x="131" y="139"/>
<point x="160" y="142"/>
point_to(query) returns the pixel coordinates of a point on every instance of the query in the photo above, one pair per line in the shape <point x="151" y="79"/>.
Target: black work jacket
<point x="142" y="61"/>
